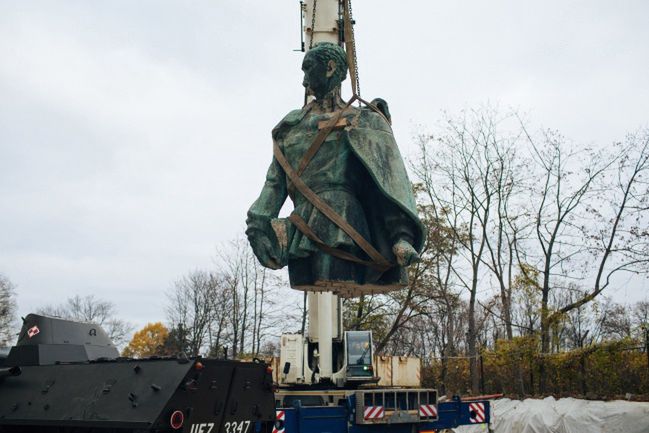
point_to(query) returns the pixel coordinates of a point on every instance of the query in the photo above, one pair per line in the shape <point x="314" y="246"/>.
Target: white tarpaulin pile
<point x="566" y="415"/>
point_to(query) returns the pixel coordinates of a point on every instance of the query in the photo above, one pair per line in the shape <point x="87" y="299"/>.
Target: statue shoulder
<point x="377" y="117"/>
<point x="382" y="105"/>
<point x="291" y="119"/>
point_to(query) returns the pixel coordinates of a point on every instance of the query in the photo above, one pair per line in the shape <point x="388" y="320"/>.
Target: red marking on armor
<point x="33" y="331"/>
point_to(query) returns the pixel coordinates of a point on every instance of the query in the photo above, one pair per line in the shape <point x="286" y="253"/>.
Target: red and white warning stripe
<point x="374" y="412"/>
<point x="476" y="413"/>
<point x="428" y="411"/>
<point x="280" y="417"/>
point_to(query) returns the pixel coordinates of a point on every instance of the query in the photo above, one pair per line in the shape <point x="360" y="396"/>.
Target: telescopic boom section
<point x="321" y="24"/>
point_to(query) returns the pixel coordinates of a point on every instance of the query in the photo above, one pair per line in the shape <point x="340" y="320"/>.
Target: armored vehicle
<point x="67" y="377"/>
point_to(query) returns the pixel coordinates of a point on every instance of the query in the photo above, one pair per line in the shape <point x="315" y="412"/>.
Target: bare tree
<point x="560" y="197"/>
<point x="468" y="174"/>
<point x="615" y="322"/>
<point x="193" y="307"/>
<point x="526" y="300"/>
<point x="7" y="311"/>
<point x="640" y="322"/>
<point x="232" y="309"/>
<point x="248" y="284"/>
<point x="508" y="222"/>
<point x="558" y="221"/>
<point x="566" y="215"/>
<point x="640" y="314"/>
<point x="621" y="239"/>
<point x="578" y="328"/>
<point x="404" y="306"/>
<point x="218" y="331"/>
<point x="91" y="309"/>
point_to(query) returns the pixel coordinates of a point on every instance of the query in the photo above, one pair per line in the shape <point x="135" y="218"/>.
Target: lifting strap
<point x="302" y="226"/>
<point x="321" y="137"/>
<point x="377" y="260"/>
<point x="329" y="126"/>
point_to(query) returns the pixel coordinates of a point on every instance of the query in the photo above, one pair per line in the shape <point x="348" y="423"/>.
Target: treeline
<point x="525" y="233"/>
<point x="238" y="308"/>
<point x="604" y="370"/>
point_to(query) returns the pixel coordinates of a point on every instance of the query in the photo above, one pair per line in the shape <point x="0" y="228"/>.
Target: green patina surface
<point x="358" y="171"/>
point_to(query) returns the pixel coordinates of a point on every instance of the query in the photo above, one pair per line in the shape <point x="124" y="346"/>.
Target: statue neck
<point x="330" y="102"/>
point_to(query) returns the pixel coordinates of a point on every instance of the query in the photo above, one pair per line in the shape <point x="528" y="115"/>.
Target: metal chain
<point x="315" y="2"/>
<point x="351" y="25"/>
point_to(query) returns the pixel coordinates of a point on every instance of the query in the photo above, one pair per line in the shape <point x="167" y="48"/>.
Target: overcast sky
<point x="135" y="134"/>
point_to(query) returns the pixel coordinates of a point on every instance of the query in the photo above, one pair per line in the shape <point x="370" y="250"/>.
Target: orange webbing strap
<point x="350" y="46"/>
<point x="327" y="211"/>
<point x="321" y="137"/>
<point x="331" y="124"/>
<point x="336" y="252"/>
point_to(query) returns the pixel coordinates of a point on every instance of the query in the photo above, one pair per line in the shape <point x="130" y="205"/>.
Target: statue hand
<point x="405" y="253"/>
<point x="263" y="249"/>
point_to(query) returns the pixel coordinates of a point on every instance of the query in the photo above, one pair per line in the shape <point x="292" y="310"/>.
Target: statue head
<point x="325" y="67"/>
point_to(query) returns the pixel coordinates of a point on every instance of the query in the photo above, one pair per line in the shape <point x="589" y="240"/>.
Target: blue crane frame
<point x="341" y="419"/>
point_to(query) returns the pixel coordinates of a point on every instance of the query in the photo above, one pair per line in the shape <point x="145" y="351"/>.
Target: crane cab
<point x="359" y="356"/>
<point x="353" y="362"/>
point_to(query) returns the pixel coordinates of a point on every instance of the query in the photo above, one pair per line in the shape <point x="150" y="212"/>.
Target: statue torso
<point x="334" y="173"/>
<point x="334" y="167"/>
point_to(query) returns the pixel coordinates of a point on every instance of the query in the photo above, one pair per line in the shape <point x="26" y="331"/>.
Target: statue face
<point x="318" y="75"/>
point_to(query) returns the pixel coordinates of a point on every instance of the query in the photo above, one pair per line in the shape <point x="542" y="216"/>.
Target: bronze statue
<point x="354" y="227"/>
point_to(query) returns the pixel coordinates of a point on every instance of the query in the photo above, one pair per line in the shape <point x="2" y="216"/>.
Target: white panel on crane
<point x="325" y="337"/>
<point x="292" y="352"/>
<point x="326" y="22"/>
<point x="335" y="316"/>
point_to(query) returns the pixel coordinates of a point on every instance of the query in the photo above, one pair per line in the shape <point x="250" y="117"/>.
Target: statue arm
<point x="400" y="227"/>
<point x="402" y="234"/>
<point x="272" y="197"/>
<point x="259" y="230"/>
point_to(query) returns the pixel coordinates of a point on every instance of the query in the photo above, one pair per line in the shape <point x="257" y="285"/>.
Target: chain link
<point x="356" y="76"/>
<point x="315" y="2"/>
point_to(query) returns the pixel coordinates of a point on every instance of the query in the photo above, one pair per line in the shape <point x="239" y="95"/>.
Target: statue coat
<point x="359" y="172"/>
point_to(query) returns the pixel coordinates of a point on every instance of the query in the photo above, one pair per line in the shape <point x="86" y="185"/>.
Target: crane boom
<point x="321" y="20"/>
<point x="328" y="381"/>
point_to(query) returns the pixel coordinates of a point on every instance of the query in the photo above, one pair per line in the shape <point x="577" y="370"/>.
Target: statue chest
<point x="298" y="140"/>
<point x="334" y="163"/>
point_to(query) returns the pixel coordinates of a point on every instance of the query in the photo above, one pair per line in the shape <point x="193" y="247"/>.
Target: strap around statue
<point x="302" y="226"/>
<point x="321" y="137"/>
<point x="331" y="124"/>
<point x="378" y="261"/>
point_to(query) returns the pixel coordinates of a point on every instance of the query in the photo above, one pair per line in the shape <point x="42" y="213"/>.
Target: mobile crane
<point x="327" y="381"/>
